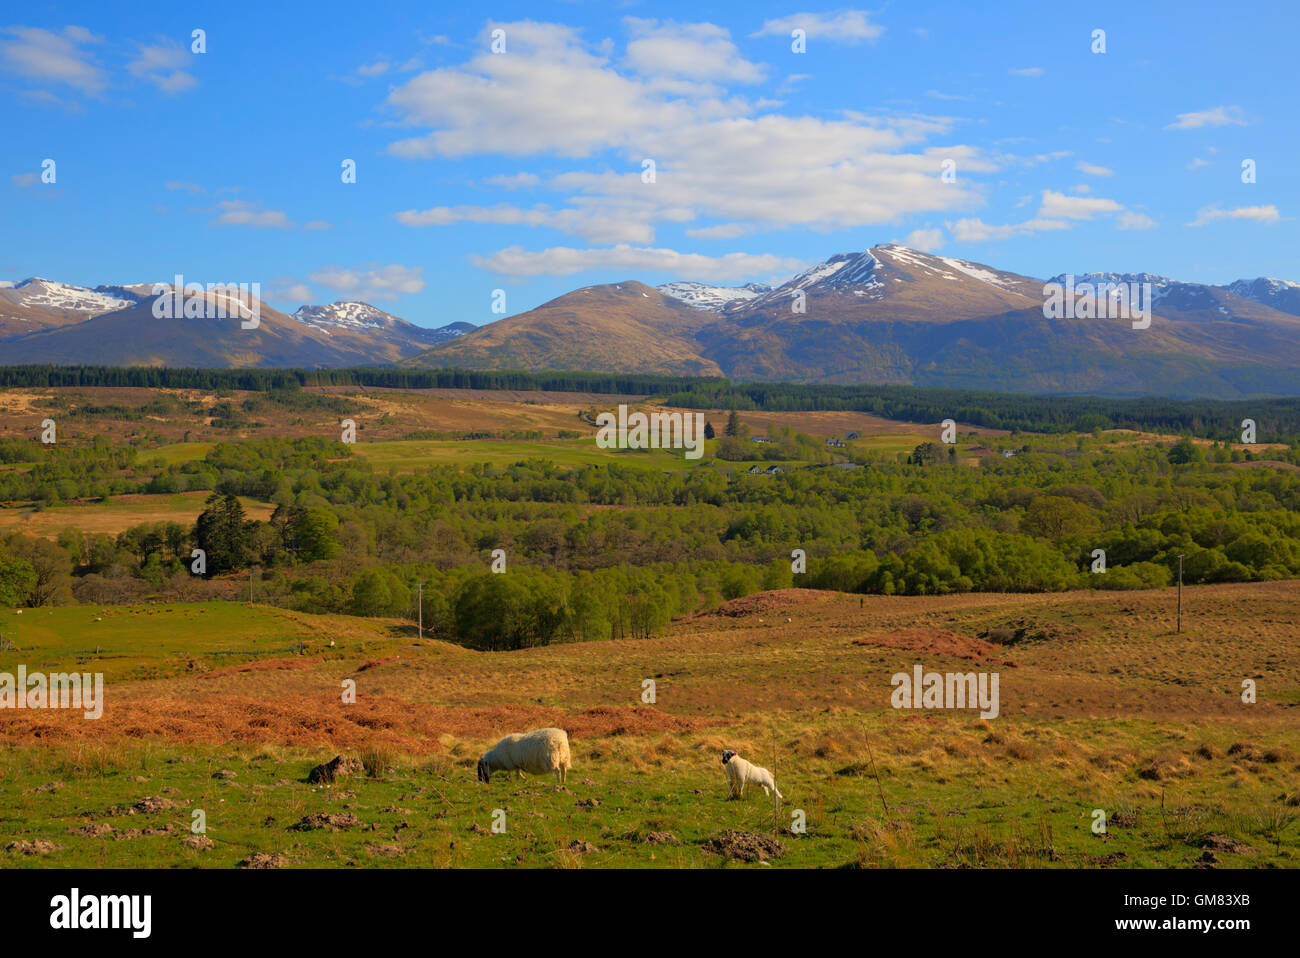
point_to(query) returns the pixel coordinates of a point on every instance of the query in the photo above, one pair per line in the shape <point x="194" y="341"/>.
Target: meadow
<point x="225" y="708"/>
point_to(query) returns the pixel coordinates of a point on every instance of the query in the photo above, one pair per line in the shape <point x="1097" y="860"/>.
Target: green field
<point x="163" y="641"/>
<point x="992" y="808"/>
<point x="1138" y="726"/>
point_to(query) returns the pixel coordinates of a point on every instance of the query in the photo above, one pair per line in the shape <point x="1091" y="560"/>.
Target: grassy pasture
<point x="1103" y="707"/>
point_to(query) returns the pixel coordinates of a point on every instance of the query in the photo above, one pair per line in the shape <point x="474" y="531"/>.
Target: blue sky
<point x="524" y="170"/>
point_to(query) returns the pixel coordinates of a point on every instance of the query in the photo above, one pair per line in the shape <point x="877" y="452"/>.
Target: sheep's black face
<point x="727" y="756"/>
<point x="483" y="773"/>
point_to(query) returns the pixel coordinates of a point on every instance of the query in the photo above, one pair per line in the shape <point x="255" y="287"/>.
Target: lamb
<point x="538" y="752"/>
<point x="741" y="773"/>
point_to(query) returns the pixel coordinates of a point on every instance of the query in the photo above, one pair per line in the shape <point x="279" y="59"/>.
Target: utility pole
<point x="419" y="586"/>
<point x="1180" y="590"/>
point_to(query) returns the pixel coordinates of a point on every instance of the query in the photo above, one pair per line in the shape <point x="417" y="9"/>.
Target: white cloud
<point x="926" y="240"/>
<point x="1255" y="214"/>
<point x="1197" y="163"/>
<point x="1091" y="169"/>
<point x="949" y="96"/>
<point x="1056" y="211"/>
<point x="378" y="68"/>
<point x="181" y="185"/>
<point x="1027" y="72"/>
<point x="515" y="261"/>
<point x="547" y="94"/>
<point x="717" y="158"/>
<point x="242" y="213"/>
<point x="161" y="64"/>
<point x="845" y="26"/>
<point x="603" y="224"/>
<point x="974" y="230"/>
<point x="1218" y="116"/>
<point x="25" y="179"/>
<point x="385" y="283"/>
<point x="1128" y="220"/>
<point x="288" y="291"/>
<point x="46" y="56"/>
<point x="696" y="51"/>
<point x="516" y="181"/>
<point x="721" y="231"/>
<point x="1060" y="206"/>
<point x="315" y="225"/>
<point x="1037" y="159"/>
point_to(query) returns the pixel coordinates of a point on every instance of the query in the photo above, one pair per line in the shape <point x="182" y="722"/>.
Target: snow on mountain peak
<point x="713" y="298"/>
<point x="49" y="294"/>
<point x="1262" y="284"/>
<point x="352" y="315"/>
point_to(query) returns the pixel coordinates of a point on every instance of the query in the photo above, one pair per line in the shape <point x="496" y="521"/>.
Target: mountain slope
<point x="619" y="327"/>
<point x="1280" y="294"/>
<point x="704" y="296"/>
<point x="896" y="315"/>
<point x="35" y="304"/>
<point x="380" y="326"/>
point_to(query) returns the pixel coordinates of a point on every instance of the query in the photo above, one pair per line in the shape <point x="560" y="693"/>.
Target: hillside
<point x="622" y="327"/>
<point x="896" y="315"/>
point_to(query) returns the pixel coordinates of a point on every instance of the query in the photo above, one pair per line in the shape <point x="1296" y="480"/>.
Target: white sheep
<point x="538" y="752"/>
<point x="741" y="773"/>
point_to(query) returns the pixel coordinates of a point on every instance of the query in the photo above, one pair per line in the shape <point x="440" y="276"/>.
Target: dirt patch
<point x="940" y="643"/>
<point x="771" y="602"/>
<point x="263" y="860"/>
<point x="1108" y="861"/>
<point x="150" y="805"/>
<point x="40" y="847"/>
<point x="1224" y="843"/>
<point x="744" y="846"/>
<point x="327" y="821"/>
<point x="93" y="830"/>
<point x="1022" y="631"/>
<point x="294" y="664"/>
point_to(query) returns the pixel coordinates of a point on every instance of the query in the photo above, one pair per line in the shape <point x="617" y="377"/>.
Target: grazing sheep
<point x="537" y="753"/>
<point x="741" y="773"/>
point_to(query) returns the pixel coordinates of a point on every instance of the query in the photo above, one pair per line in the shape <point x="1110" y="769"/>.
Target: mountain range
<point x="42" y="321"/>
<point x="890" y="314"/>
<point x="893" y="314"/>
